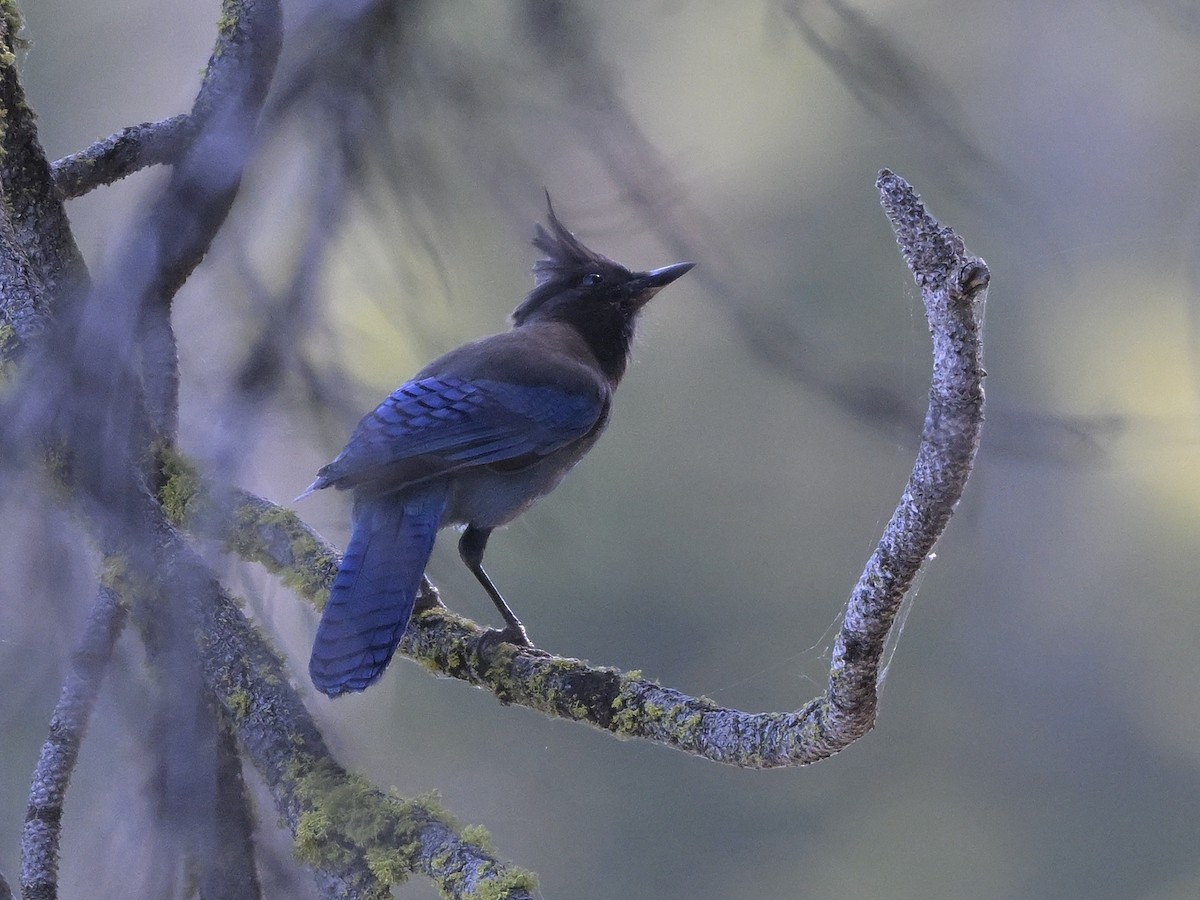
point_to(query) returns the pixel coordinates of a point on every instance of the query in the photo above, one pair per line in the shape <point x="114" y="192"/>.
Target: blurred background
<point x="1038" y="732"/>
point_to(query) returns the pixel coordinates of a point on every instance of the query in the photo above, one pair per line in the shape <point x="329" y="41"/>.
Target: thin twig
<point x="130" y="150"/>
<point x="43" y="818"/>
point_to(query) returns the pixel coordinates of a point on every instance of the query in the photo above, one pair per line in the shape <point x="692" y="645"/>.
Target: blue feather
<point x="372" y="597"/>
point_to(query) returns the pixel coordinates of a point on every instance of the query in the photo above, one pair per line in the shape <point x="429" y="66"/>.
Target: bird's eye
<point x="591" y="279"/>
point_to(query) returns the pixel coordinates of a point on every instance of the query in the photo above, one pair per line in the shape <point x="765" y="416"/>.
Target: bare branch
<point x="952" y="283"/>
<point x="56" y="763"/>
<point x="129" y="150"/>
<point x="202" y="188"/>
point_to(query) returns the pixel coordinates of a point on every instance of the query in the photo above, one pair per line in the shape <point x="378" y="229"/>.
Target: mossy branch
<point x="952" y="283"/>
<point x="343" y="826"/>
<point x="357" y="839"/>
<point x="248" y="526"/>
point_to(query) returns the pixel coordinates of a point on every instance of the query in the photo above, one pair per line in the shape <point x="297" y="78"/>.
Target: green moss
<point x="389" y="865"/>
<point x="118" y="576"/>
<point x="13" y="23"/>
<point x="314" y="839"/>
<point x="347" y="820"/>
<point x="634" y="715"/>
<point x="544" y="686"/>
<point x="256" y="531"/>
<point x="239" y="703"/>
<point x="347" y="816"/>
<point x="480" y="837"/>
<point x="180" y="487"/>
<point x="255" y="535"/>
<point x="504" y="885"/>
<point x="228" y="21"/>
<point x="627" y="714"/>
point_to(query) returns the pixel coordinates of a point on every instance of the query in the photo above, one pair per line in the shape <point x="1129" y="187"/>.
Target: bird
<point x="473" y="440"/>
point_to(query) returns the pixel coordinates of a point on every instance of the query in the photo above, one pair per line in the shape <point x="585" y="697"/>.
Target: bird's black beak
<point x="645" y="285"/>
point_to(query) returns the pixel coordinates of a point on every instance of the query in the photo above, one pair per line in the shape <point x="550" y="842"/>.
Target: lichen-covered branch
<point x="131" y="149"/>
<point x="92" y="407"/>
<point x="24" y="305"/>
<point x="952" y="283"/>
<point x="56" y="762"/>
<point x="38" y="256"/>
<point x="357" y="839"/>
<point x="250" y="527"/>
<point x="33" y="206"/>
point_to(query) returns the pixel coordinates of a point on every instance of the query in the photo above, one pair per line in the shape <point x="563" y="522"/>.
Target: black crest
<point x="566" y="260"/>
<point x="565" y="253"/>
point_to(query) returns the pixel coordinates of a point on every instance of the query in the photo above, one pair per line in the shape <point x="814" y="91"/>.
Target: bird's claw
<point x="427" y="597"/>
<point x="513" y="633"/>
<point x="492" y="638"/>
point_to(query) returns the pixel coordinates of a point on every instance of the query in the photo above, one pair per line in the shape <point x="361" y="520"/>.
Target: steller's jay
<point x="475" y="439"/>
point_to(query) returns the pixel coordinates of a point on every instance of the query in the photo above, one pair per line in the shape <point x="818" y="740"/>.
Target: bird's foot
<point x="427" y="597"/>
<point x="492" y="638"/>
<point x="513" y="633"/>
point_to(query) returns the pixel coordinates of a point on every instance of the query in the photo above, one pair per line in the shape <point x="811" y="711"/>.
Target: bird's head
<point x="600" y="298"/>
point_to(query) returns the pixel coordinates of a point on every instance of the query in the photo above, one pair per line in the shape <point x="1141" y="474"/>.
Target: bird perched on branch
<point x="475" y="439"/>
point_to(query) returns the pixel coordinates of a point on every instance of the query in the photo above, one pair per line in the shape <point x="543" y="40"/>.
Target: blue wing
<point x="434" y="425"/>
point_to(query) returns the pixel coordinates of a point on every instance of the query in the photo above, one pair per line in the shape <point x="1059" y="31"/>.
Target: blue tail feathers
<point x="372" y="597"/>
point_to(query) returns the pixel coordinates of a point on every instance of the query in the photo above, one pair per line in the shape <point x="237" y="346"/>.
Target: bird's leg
<point x="470" y="547"/>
